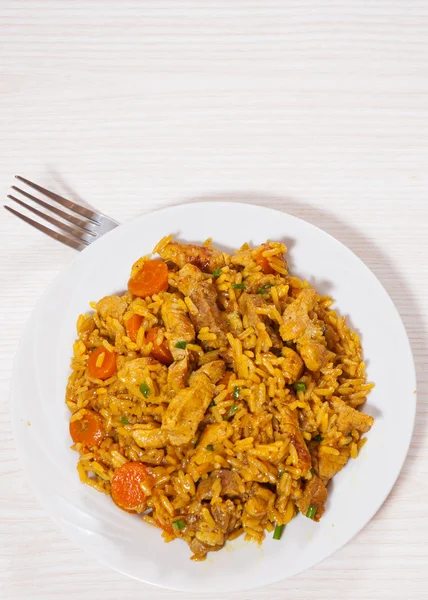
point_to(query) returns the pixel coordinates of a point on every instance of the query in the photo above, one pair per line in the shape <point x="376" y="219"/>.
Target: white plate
<point x="122" y="540"/>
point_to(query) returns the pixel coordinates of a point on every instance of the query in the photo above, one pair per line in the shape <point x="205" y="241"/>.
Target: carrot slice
<point x="125" y="486"/>
<point x="151" y="279"/>
<point x="89" y="430"/>
<point x="102" y="368"/>
<point x="225" y="381"/>
<point x="263" y="262"/>
<point x="167" y="528"/>
<point x="132" y="325"/>
<point x="159" y="351"/>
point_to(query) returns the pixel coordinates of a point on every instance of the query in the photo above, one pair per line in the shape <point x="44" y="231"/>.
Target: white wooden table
<point x="315" y="108"/>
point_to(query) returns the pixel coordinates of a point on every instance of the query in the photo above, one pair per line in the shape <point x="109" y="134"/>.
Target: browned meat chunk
<point x="204" y="296"/>
<point x="292" y="366"/>
<point x="231" y="485"/>
<point x="314" y="494"/>
<point x="200" y="549"/>
<point x="330" y="464"/>
<point x="111" y="306"/>
<point x="225" y="515"/>
<point x="178" y="325"/>
<point x="289" y="423"/>
<point x="349" y="418"/>
<point x="186" y="410"/>
<point x="205" y="258"/>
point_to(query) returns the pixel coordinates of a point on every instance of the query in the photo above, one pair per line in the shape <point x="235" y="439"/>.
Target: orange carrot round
<point x="263" y="262"/>
<point x="151" y="279"/>
<point x="102" y="368"/>
<point x="159" y="351"/>
<point x="125" y="486"/>
<point x="89" y="430"/>
<point x="132" y="325"/>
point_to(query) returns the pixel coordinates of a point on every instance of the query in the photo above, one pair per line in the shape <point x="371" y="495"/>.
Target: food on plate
<point x="218" y="396"/>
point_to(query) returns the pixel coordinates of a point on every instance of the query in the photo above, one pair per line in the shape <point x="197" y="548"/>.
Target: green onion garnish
<point x="235" y="393"/>
<point x="317" y="438"/>
<point x="300" y="386"/>
<point x="216" y="273"/>
<point x="211" y="404"/>
<point x="233" y="409"/>
<point x="261" y="291"/>
<point x="179" y="524"/>
<point x="238" y="286"/>
<point x="312" y="471"/>
<point x="280" y="473"/>
<point x="144" y="389"/>
<point x="278" y="532"/>
<point x="264" y="288"/>
<point x="228" y="323"/>
<point x="312" y="510"/>
<point x="210" y="447"/>
<point x="181" y="345"/>
<point x="124" y="420"/>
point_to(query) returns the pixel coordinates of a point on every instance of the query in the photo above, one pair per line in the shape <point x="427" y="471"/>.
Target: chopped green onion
<point x="228" y="323"/>
<point x="300" y="386"/>
<point x="278" y="532"/>
<point x="144" y="389"/>
<point x="238" y="286"/>
<point x="312" y="471"/>
<point x="181" y="345"/>
<point x="312" y="511"/>
<point x="212" y="403"/>
<point x="210" y="447"/>
<point x="317" y="438"/>
<point x="216" y="273"/>
<point x="264" y="288"/>
<point x="124" y="420"/>
<point x="179" y="524"/>
<point x="235" y="393"/>
<point x="280" y="473"/>
<point x="233" y="409"/>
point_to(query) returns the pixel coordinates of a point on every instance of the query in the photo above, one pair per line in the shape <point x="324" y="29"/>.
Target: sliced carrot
<point x="263" y="262"/>
<point x="102" y="368"/>
<point x="225" y="381"/>
<point x="151" y="279"/>
<point x="132" y="325"/>
<point x="125" y="486"/>
<point x="159" y="351"/>
<point x="89" y="430"/>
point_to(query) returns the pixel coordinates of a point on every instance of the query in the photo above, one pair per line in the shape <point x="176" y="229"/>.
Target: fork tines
<point x="79" y="226"/>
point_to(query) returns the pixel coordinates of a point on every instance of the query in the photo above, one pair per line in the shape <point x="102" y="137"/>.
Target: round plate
<point x="123" y="541"/>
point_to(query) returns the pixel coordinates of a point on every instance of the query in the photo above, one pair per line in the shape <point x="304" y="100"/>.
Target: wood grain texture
<point x="318" y="109"/>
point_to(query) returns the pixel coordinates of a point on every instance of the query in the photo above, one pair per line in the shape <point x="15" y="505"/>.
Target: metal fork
<point x="86" y="224"/>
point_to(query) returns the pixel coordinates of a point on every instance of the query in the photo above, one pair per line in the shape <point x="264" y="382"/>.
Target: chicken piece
<point x="314" y="354"/>
<point x="134" y="372"/>
<point x="231" y="485"/>
<point x="186" y="410"/>
<point x="330" y="464"/>
<point x="191" y="283"/>
<point x="204" y="257"/>
<point x="349" y="418"/>
<point x="257" y="282"/>
<point x="295" y="317"/>
<point x="177" y="375"/>
<point x="249" y="304"/>
<point x="111" y="306"/>
<point x="292" y="366"/>
<point x="150" y="438"/>
<point x="314" y="494"/>
<point x="215" y="434"/>
<point x="214" y="370"/>
<point x="289" y="423"/>
<point x="178" y="325"/>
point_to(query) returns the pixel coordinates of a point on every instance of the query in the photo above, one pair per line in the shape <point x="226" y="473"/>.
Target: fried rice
<point x="218" y="396"/>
